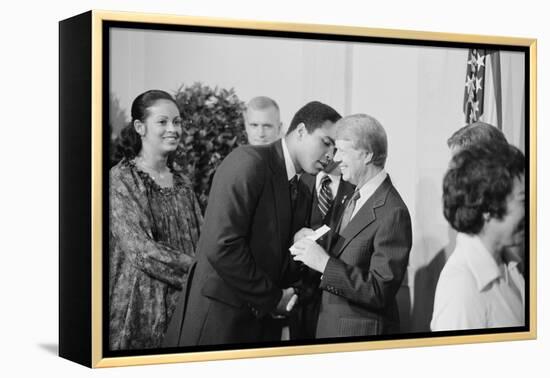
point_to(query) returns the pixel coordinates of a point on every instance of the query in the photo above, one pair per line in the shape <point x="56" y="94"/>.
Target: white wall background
<point x="415" y="92"/>
<point x="28" y="73"/>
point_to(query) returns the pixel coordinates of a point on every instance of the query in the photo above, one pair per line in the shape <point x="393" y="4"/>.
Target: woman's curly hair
<point x="478" y="181"/>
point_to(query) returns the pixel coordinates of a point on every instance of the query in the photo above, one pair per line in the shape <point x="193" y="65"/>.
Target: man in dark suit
<point x="369" y="253"/>
<point x="244" y="272"/>
<point x="328" y="192"/>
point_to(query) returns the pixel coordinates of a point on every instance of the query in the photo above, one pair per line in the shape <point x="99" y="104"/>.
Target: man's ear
<point x="368" y="157"/>
<point x="301" y="130"/>
<point x="139" y="127"/>
<point x="280" y="128"/>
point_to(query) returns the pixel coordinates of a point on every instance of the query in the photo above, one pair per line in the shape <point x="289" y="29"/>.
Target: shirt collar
<point x="370" y="186"/>
<point x="289" y="165"/>
<point x="482" y="265"/>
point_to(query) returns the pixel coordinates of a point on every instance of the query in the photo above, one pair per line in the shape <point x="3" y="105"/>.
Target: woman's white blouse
<point x="475" y="292"/>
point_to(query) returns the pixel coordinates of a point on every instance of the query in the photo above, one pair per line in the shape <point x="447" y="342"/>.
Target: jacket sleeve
<point x="130" y="232"/>
<point x="236" y="190"/>
<point x="376" y="287"/>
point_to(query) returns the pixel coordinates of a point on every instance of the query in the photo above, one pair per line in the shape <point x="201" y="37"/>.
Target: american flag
<point x="482" y="90"/>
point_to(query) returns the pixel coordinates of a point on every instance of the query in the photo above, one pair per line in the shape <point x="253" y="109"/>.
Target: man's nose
<point x="333" y="152"/>
<point x="337" y="157"/>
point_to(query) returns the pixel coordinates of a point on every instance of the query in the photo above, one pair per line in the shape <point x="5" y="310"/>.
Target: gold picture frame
<point x="83" y="228"/>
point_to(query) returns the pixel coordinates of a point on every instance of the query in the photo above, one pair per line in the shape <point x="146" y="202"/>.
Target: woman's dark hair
<point x="479" y="180"/>
<point x="129" y="142"/>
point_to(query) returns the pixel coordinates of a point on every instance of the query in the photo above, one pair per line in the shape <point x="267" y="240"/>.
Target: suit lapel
<point x="281" y="194"/>
<point x="364" y="217"/>
<point x="345" y="190"/>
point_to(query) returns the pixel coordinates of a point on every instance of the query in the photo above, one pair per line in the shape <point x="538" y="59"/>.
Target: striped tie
<point x="325" y="195"/>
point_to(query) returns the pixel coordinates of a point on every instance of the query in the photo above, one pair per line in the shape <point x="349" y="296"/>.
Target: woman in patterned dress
<point x="154" y="225"/>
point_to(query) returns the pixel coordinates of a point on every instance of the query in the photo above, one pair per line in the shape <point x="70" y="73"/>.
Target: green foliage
<point x="213" y="127"/>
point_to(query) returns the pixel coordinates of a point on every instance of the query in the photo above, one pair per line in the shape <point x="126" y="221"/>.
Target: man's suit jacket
<point x="243" y="261"/>
<point x="368" y="262"/>
<point x="303" y="321"/>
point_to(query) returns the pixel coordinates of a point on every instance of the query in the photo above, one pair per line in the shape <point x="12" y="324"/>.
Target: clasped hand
<point x="308" y="251"/>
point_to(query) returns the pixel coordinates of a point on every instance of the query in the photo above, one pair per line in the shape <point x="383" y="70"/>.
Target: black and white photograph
<point x="269" y="188"/>
<point x="210" y="188"/>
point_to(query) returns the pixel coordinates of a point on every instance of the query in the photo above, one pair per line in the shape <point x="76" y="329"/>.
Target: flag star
<point x="470" y="97"/>
<point x="478" y="83"/>
<point x="472" y="116"/>
<point x="475" y="107"/>
<point x="480" y="61"/>
<point x="470" y="83"/>
<point x="472" y="62"/>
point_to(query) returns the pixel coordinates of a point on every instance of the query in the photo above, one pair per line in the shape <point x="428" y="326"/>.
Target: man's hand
<point x="287" y="302"/>
<point x="304" y="232"/>
<point x="311" y="254"/>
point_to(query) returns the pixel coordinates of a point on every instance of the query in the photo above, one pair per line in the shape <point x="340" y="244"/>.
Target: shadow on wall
<point x="425" y="283"/>
<point x="416" y="314"/>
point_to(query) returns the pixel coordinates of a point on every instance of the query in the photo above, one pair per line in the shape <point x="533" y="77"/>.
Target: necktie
<point x="349" y="211"/>
<point x="325" y="195"/>
<point x="293" y="186"/>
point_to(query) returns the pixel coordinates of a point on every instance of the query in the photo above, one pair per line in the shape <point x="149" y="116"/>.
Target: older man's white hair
<point x="367" y="134"/>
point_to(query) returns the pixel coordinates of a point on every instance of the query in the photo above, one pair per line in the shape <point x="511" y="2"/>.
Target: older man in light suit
<point x="369" y="251"/>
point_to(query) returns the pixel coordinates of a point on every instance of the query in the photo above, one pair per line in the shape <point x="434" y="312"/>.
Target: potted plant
<point x="213" y="127"/>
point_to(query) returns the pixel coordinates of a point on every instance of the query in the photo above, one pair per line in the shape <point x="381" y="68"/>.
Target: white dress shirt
<point x="475" y="292"/>
<point x="368" y="189"/>
<point x="289" y="164"/>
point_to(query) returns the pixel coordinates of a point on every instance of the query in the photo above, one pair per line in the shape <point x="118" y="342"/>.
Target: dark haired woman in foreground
<point x="484" y="200"/>
<point x="154" y="225"/>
